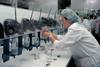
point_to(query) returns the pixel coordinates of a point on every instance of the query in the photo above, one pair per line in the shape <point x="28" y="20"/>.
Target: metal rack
<point x="7" y="49"/>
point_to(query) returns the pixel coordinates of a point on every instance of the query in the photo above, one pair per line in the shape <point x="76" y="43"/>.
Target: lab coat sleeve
<point x="60" y="37"/>
<point x="72" y="37"/>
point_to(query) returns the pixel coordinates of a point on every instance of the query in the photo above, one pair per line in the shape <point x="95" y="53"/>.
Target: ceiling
<point x="85" y="4"/>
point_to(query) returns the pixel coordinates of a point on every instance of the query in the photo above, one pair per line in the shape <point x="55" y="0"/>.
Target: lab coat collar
<point x="73" y="26"/>
<point x="77" y="26"/>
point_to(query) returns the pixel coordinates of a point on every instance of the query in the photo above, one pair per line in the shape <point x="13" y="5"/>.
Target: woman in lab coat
<point x="84" y="47"/>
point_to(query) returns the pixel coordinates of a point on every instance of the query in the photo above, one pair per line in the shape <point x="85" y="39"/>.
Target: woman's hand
<point x="45" y="34"/>
<point x="50" y="35"/>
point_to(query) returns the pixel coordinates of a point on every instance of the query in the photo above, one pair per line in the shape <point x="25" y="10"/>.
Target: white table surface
<point x="27" y="60"/>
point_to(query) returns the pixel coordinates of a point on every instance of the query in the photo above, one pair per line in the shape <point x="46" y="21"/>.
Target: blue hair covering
<point x="70" y="15"/>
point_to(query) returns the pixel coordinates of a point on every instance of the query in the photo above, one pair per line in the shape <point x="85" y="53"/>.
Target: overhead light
<point x="91" y="1"/>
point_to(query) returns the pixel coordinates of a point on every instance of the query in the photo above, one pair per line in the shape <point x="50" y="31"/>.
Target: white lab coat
<point x="84" y="47"/>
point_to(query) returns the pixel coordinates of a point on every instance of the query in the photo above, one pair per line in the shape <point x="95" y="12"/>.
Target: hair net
<point x="70" y="15"/>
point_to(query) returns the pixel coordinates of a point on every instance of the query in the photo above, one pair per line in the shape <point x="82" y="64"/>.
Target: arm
<point x="68" y="40"/>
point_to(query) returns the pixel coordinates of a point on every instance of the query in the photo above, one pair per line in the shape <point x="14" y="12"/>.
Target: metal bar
<point x="20" y="48"/>
<point x="21" y="35"/>
<point x="55" y="15"/>
<point x="32" y="14"/>
<point x="5" y="55"/>
<point x="15" y="36"/>
<point x="30" y="36"/>
<point x="49" y="13"/>
<point x="15" y="10"/>
<point x="40" y="14"/>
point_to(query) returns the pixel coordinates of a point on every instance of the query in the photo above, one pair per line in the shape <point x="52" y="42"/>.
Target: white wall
<point x="85" y="4"/>
<point x="8" y="12"/>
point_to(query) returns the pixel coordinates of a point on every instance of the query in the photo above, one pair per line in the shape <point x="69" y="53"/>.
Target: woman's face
<point x="64" y="22"/>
